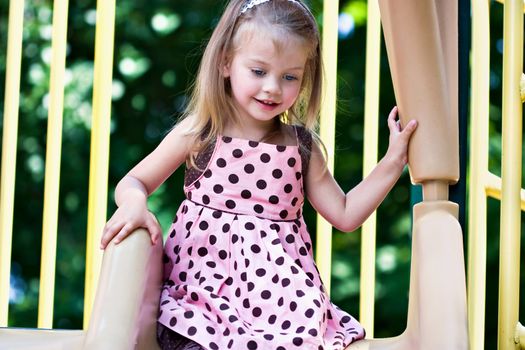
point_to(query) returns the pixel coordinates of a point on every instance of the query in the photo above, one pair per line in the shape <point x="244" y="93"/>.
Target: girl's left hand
<point x="399" y="138"/>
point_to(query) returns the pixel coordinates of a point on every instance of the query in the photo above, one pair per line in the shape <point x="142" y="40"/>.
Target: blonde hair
<point x="211" y="104"/>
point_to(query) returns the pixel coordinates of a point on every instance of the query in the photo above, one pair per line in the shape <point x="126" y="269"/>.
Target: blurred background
<point x="158" y="48"/>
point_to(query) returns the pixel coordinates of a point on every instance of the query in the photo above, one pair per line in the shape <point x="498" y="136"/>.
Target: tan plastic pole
<point x="99" y="162"/>
<point x="479" y="162"/>
<point x="511" y="176"/>
<point x="327" y="129"/>
<point x="52" y="174"/>
<point x="9" y="140"/>
<point x="370" y="146"/>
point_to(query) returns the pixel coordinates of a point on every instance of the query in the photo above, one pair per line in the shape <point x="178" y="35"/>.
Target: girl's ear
<point x="225" y="69"/>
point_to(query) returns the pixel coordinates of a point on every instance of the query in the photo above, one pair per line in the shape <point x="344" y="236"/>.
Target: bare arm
<point x="348" y="211"/>
<point x="133" y="190"/>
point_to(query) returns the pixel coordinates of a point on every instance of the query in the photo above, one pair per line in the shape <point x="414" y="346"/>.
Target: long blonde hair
<point x="211" y="104"/>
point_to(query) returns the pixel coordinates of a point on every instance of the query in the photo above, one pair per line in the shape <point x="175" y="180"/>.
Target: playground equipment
<point x="437" y="315"/>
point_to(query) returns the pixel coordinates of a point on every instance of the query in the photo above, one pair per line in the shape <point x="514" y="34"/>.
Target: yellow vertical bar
<point x="478" y="167"/>
<point x="327" y="128"/>
<point x="99" y="160"/>
<point x="9" y="140"/>
<point x="52" y="175"/>
<point x="368" y="232"/>
<point x="511" y="176"/>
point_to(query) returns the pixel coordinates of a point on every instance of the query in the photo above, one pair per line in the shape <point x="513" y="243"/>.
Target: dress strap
<point x="304" y="141"/>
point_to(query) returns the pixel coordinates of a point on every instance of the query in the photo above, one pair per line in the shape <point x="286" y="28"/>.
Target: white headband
<point x="253" y="3"/>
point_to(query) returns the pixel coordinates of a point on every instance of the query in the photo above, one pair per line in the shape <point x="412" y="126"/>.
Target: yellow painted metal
<point x="503" y="2"/>
<point x="9" y="140"/>
<point x="522" y="88"/>
<point x="371" y="127"/>
<point x="493" y="188"/>
<point x="52" y="174"/>
<point x="479" y="162"/>
<point x="327" y="128"/>
<point x="99" y="160"/>
<point x="511" y="175"/>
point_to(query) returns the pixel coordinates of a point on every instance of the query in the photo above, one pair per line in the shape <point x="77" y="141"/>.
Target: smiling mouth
<point x="267" y="103"/>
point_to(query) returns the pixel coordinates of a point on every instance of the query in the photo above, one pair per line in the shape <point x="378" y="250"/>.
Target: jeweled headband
<point x="253" y="3"/>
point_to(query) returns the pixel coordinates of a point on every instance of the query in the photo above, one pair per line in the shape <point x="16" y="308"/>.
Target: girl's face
<point x="265" y="78"/>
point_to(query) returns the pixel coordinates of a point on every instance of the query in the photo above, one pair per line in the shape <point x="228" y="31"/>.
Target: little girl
<point x="238" y="265"/>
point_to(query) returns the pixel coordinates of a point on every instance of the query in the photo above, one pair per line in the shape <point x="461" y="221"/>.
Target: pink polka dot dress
<point x="238" y="263"/>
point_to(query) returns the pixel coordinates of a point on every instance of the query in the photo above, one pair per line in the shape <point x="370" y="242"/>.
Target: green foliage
<point x="157" y="49"/>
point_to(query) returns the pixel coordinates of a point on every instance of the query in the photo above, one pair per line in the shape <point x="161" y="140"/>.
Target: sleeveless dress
<point x="239" y="271"/>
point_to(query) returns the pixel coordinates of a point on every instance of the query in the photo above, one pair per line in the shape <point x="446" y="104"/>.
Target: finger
<point x="124" y="232"/>
<point x="107" y="236"/>
<point x="392" y="125"/>
<point x="410" y="127"/>
<point x="154" y="229"/>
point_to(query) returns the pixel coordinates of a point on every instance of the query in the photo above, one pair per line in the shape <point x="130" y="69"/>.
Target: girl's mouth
<point x="267" y="104"/>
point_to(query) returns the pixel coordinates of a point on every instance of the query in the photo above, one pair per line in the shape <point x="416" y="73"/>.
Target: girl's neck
<point x="258" y="132"/>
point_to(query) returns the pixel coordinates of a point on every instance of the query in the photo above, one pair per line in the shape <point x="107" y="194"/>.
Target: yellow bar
<point x="9" y="140"/>
<point x="511" y="175"/>
<point x="99" y="160"/>
<point x="327" y="129"/>
<point x="371" y="126"/>
<point x="52" y="175"/>
<point x="493" y="188"/>
<point x="503" y="2"/>
<point x="477" y="218"/>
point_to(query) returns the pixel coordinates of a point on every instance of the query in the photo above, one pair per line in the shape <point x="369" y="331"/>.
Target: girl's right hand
<point x="128" y="217"/>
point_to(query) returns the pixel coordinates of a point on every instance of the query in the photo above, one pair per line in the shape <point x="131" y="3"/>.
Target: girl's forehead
<point x="253" y="35"/>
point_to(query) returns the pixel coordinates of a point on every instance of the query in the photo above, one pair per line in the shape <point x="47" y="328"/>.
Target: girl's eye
<point x="289" y="77"/>
<point x="258" y="72"/>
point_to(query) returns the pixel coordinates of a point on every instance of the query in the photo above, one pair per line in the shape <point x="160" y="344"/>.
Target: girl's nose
<point x="272" y="86"/>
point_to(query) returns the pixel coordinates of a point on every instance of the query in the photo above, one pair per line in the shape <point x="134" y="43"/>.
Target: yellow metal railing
<point x="370" y="149"/>
<point x="99" y="162"/>
<point x="327" y="129"/>
<point x="511" y="334"/>
<point x="99" y="153"/>
<point x="52" y="174"/>
<point x="9" y="140"/>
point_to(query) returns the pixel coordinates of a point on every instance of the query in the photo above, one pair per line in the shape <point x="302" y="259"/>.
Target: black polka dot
<point x="246" y="194"/>
<point x="297" y="341"/>
<point x="286" y="324"/>
<point x="213" y="239"/>
<point x="309" y="313"/>
<point x="265" y="157"/>
<point x="266" y="294"/>
<point x="291" y="162"/>
<point x="256" y="311"/>
<point x="285" y="282"/>
<point x="173" y="322"/>
<point x="293" y="306"/>
<point x="268" y="336"/>
<point x="217" y="214"/>
<point x="192" y="331"/>
<point x="218" y="189"/>
<point x="253" y="144"/>
<point x="288" y="188"/>
<point x="258" y="208"/>
<point x="214" y="346"/>
<point x="230" y="204"/>
<point x="283" y="214"/>
<point x="249" y="226"/>
<point x="226" y="228"/>
<point x="207" y="173"/>
<point x="273" y="199"/>
<point x="261" y="184"/>
<point x="281" y="148"/>
<point x="202" y="251"/>
<point x="272" y="319"/>
<point x="233" y="178"/>
<point x="221" y="162"/>
<point x="237" y="153"/>
<point x="277" y="173"/>
<point x="205" y="199"/>
<point x="226" y="139"/>
<point x="188" y="314"/>
<point x="313" y="332"/>
<point x="252" y="345"/>
<point x="255" y="248"/>
<point x="260" y="272"/>
<point x="203" y="225"/>
<point x="249" y="168"/>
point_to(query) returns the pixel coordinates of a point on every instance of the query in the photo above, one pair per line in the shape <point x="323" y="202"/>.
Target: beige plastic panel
<point x="437" y="312"/>
<point x="421" y="41"/>
<point x="126" y="305"/>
